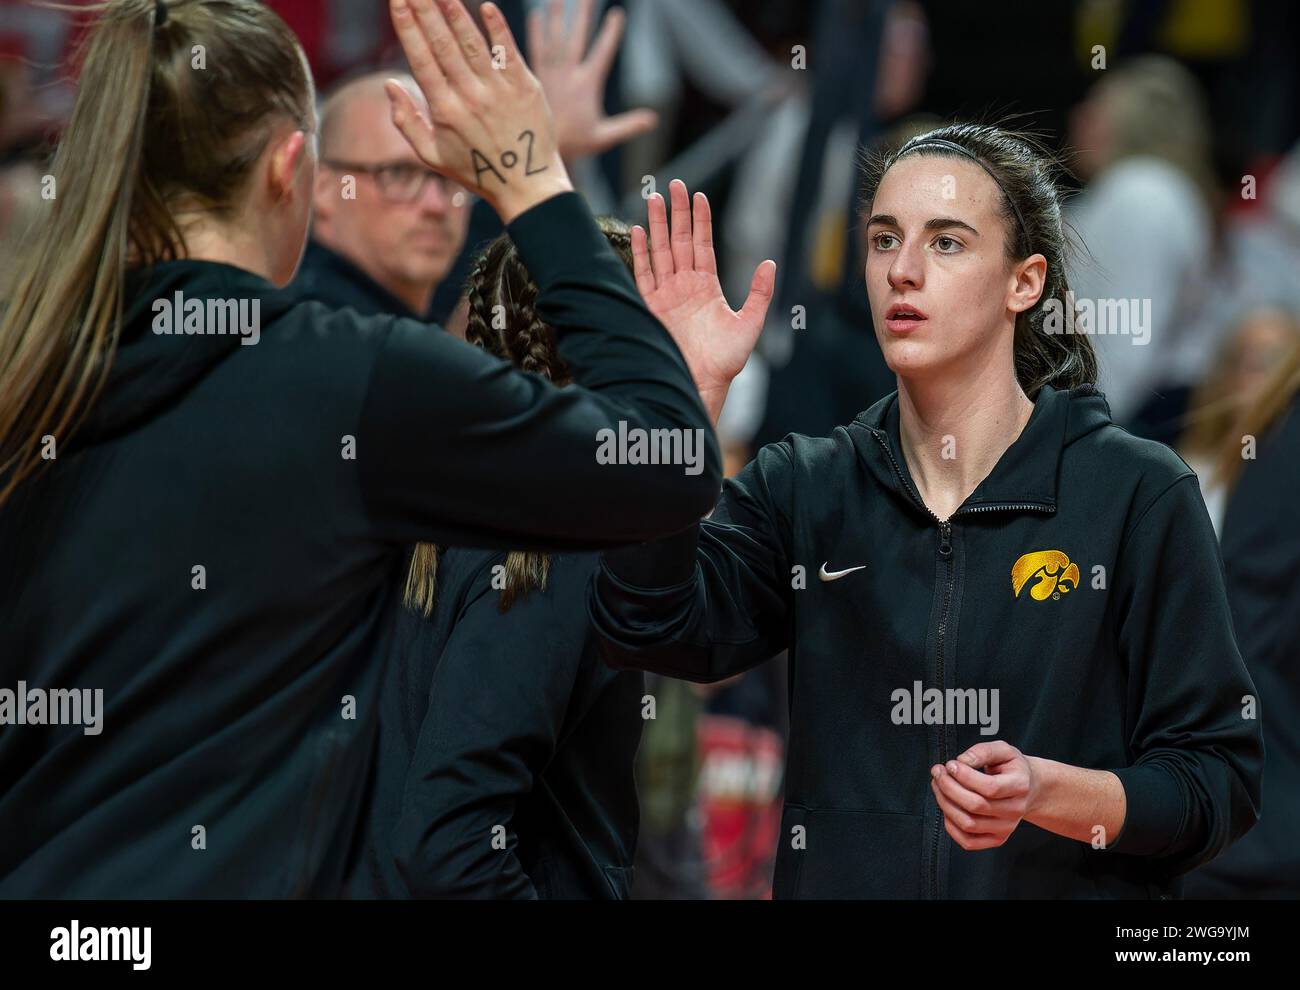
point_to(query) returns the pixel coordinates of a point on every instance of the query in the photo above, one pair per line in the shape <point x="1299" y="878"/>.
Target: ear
<point x="1027" y="282"/>
<point x="288" y="155"/>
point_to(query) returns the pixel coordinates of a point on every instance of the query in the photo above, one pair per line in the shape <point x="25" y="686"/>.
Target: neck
<point x="954" y="428"/>
<point x="231" y="243"/>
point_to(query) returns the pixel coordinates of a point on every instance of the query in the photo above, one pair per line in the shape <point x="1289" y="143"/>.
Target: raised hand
<point x="575" y="88"/>
<point x="678" y="278"/>
<point x="489" y="126"/>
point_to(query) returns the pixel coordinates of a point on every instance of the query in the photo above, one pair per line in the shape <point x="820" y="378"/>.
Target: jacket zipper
<point x="945" y="554"/>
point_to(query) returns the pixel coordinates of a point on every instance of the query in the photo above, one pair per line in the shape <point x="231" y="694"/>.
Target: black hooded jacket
<point x="216" y="550"/>
<point x="1080" y="580"/>
<point x="506" y="745"/>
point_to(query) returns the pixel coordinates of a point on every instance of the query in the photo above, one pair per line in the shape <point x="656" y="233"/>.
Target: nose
<point x="907" y="267"/>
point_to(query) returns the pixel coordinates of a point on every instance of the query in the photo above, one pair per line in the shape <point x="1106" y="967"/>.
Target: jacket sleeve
<point x="458" y="447"/>
<point x="712" y="601"/>
<point x="497" y="703"/>
<point x="1193" y="783"/>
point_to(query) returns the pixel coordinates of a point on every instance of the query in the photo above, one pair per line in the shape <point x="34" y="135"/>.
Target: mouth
<point x="903" y="318"/>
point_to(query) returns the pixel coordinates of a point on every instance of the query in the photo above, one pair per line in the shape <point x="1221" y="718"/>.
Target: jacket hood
<point x="1026" y="474"/>
<point x="168" y="342"/>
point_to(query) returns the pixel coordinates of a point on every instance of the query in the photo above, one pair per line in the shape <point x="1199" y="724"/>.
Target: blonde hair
<point x="149" y="131"/>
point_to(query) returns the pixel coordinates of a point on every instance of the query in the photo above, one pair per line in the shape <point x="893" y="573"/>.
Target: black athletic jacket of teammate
<point x="1261" y="559"/>
<point x="1081" y="580"/>
<point x="216" y="549"/>
<point x="506" y="746"/>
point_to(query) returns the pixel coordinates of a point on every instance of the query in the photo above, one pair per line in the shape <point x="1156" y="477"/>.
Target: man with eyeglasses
<point x="386" y="228"/>
<point x="387" y="231"/>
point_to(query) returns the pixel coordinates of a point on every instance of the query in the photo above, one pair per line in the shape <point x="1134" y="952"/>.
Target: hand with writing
<point x="488" y="125"/>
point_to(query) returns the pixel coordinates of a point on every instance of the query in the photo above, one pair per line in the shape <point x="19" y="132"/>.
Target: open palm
<point x="677" y="276"/>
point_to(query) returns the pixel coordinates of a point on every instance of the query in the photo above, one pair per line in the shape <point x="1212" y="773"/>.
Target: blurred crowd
<point x="1179" y="122"/>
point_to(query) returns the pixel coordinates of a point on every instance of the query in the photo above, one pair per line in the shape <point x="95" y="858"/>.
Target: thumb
<point x="754" y="312"/>
<point x="613" y="131"/>
<point x="408" y="119"/>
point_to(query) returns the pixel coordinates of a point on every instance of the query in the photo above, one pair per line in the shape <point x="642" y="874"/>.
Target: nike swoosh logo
<point x="826" y="575"/>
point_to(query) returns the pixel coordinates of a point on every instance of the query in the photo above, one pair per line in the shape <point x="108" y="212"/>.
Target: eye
<point x="878" y="240"/>
<point x="947" y="244"/>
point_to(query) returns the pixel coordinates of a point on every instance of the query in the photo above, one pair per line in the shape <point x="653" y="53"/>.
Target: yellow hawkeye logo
<point x="1056" y="575"/>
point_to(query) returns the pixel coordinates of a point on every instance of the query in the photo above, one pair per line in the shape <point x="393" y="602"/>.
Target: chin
<point x="910" y="357"/>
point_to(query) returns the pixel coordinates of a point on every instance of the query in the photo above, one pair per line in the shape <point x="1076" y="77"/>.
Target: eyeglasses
<point x="399" y="182"/>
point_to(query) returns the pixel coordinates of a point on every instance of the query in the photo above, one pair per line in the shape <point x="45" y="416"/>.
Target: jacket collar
<point x="1025" y="476"/>
<point x="329" y="277"/>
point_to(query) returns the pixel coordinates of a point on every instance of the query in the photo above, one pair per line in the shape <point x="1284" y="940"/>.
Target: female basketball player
<point x="1013" y="672"/>
<point x="506" y="746"/>
<point x="205" y="490"/>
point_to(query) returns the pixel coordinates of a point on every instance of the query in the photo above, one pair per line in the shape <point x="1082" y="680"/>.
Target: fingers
<point x="533" y="32"/>
<point x="988" y="785"/>
<point x="440" y="41"/>
<point x="408" y="119"/>
<point x="555" y="30"/>
<point x="613" y="131"/>
<point x="964" y="820"/>
<point x="971" y="842"/>
<point x="683" y="247"/>
<point x="642" y="273"/>
<point x="985" y="754"/>
<point x="702" y="234"/>
<point x="605" y="46"/>
<point x="660" y="252"/>
<point x="470" y="46"/>
<point x="499" y="34"/>
<point x="761" y="287"/>
<point x="577" y="39"/>
<point x="415" y="43"/>
<point x="968" y="800"/>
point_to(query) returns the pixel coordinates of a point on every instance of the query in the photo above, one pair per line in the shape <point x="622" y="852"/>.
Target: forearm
<point x="1075" y="802"/>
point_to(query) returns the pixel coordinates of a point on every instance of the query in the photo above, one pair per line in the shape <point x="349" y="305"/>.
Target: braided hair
<point x="503" y="320"/>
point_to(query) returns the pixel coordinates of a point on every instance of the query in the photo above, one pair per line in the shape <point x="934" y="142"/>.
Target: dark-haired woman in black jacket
<point x="1012" y="667"/>
<point x="506" y="746"/>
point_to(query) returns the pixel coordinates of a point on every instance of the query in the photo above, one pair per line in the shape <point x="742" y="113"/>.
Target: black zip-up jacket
<point x="506" y="745"/>
<point x="1261" y="554"/>
<point x="1112" y="649"/>
<point x="206" y="553"/>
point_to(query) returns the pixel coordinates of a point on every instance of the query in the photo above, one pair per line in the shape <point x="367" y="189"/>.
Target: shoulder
<point x="1120" y="469"/>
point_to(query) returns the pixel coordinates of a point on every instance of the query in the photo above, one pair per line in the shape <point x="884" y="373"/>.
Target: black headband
<point x="159" y="13"/>
<point x="955" y="147"/>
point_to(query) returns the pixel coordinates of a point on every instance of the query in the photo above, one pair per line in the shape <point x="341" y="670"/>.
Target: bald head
<point x="406" y="245"/>
<point x="353" y="111"/>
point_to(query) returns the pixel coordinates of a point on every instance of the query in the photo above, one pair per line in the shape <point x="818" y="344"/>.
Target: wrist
<point x="521" y="197"/>
<point x="713" y="399"/>
<point x="1045" y="779"/>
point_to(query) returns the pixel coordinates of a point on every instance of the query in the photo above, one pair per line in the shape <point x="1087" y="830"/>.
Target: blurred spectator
<point x="1261" y="556"/>
<point x="386" y="227"/>
<point x="1245" y="361"/>
<point x="1146" y="218"/>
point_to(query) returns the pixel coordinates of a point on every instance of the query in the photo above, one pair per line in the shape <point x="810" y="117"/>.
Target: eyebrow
<point x="937" y="223"/>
